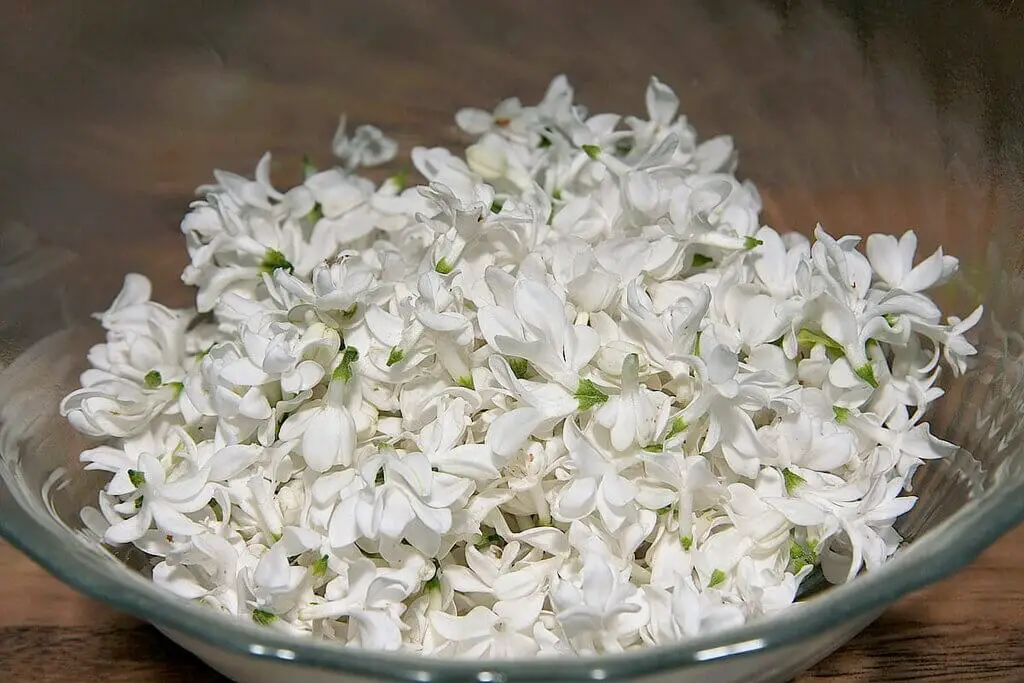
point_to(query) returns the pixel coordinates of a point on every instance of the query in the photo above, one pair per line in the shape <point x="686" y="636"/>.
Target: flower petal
<point x="231" y="460"/>
<point x="476" y="624"/>
<point x="329" y="439"/>
<point x="507" y="434"/>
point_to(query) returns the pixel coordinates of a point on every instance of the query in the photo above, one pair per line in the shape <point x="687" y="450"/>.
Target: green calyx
<point x="678" y="426"/>
<point x="867" y="373"/>
<point x="395" y="356"/>
<point x="717" y="578"/>
<point x="319" y="568"/>
<point x="700" y="260"/>
<point x="686" y="542"/>
<point x="137" y="478"/>
<point x="153" y="379"/>
<point x="840" y="413"/>
<point x="344" y="370"/>
<point x="751" y="243"/>
<point x="273" y="260"/>
<point x="400" y="178"/>
<point x="350" y="355"/>
<point x="792" y="480"/>
<point x="589" y="395"/>
<point x="592" y="151"/>
<point x="263" y="617"/>
<point x="802" y="555"/>
<point x="519" y="366"/>
<point x="807" y="337"/>
<point x="466" y="382"/>
<point x="442" y="267"/>
<point x="486" y="540"/>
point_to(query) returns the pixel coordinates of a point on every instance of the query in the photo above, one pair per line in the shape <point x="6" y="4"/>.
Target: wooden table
<point x="866" y="115"/>
<point x="967" y="628"/>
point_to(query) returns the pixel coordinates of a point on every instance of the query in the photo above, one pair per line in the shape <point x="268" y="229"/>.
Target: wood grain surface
<point x="866" y="115"/>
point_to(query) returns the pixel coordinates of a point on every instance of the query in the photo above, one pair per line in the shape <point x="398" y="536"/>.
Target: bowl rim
<point x="940" y="552"/>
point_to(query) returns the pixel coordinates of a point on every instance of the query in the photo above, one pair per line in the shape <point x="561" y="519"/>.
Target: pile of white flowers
<point x="568" y="397"/>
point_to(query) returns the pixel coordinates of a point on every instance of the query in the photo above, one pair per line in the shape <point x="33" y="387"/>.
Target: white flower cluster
<point x="568" y="397"/>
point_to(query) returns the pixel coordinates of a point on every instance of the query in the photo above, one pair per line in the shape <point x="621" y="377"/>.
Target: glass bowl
<point x="867" y="116"/>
